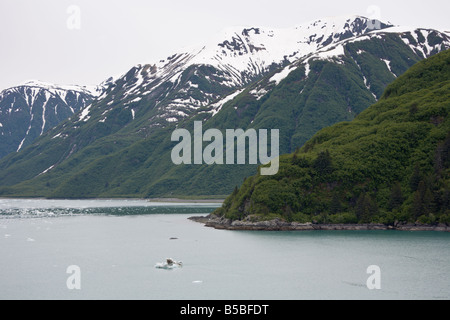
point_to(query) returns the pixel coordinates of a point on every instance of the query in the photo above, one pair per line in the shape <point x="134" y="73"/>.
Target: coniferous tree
<point x="438" y="160"/>
<point x="366" y="208"/>
<point x="415" y="179"/>
<point x="294" y="158"/>
<point x="323" y="164"/>
<point x="446" y="151"/>
<point x="396" y="199"/>
<point x="413" y="109"/>
<point x="446" y="148"/>
<point x="428" y="202"/>
<point x="288" y="213"/>
<point x="445" y="203"/>
<point x="417" y="208"/>
<point x="335" y="205"/>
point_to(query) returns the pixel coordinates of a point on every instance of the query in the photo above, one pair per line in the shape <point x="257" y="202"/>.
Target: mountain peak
<point x="52" y="87"/>
<point x="245" y="51"/>
<point x="32" y="108"/>
<point x="241" y="41"/>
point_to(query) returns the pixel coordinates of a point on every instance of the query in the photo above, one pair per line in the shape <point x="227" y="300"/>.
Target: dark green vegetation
<point x="122" y="148"/>
<point x="392" y="163"/>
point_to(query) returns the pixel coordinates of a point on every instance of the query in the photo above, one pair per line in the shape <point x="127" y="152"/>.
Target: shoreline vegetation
<point x="220" y="223"/>
<point x="389" y="168"/>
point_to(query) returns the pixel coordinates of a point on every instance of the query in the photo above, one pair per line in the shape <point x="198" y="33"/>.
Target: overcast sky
<point x="53" y="41"/>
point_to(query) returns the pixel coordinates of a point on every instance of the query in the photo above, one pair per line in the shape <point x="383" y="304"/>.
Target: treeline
<point x="311" y="192"/>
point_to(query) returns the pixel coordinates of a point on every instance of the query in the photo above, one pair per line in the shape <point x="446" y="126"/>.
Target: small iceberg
<point x="169" y="264"/>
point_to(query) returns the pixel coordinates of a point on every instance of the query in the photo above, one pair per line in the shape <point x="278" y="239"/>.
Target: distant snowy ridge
<point x="55" y="88"/>
<point x="30" y="109"/>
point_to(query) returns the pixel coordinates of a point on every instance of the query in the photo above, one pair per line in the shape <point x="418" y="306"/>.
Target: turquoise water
<point x="117" y="243"/>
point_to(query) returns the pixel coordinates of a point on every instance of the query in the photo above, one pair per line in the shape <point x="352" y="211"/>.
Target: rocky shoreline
<point x="279" y="225"/>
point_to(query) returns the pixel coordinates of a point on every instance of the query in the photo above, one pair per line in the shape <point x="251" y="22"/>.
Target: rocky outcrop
<point x="220" y="223"/>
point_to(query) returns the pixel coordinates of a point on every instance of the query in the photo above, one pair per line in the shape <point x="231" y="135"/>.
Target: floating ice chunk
<point x="169" y="264"/>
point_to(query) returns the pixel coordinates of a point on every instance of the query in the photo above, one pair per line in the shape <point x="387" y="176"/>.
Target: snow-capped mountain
<point x="196" y="79"/>
<point x="30" y="109"/>
<point x="298" y="80"/>
<point x="180" y="85"/>
<point x="247" y="52"/>
<point x="422" y="42"/>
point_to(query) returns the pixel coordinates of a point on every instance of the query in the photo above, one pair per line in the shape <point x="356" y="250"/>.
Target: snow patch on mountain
<point x="47" y="170"/>
<point x="388" y="65"/>
<point x="280" y="76"/>
<point x="259" y="93"/>
<point x="84" y="115"/>
<point x="330" y="54"/>
<point x="216" y="107"/>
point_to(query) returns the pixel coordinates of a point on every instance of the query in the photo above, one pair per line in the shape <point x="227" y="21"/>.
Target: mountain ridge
<point x="30" y="109"/>
<point x="126" y="130"/>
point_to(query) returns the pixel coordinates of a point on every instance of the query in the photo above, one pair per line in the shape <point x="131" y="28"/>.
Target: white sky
<point x="115" y="35"/>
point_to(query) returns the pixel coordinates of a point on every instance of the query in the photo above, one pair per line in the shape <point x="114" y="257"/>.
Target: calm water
<point x="116" y="245"/>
